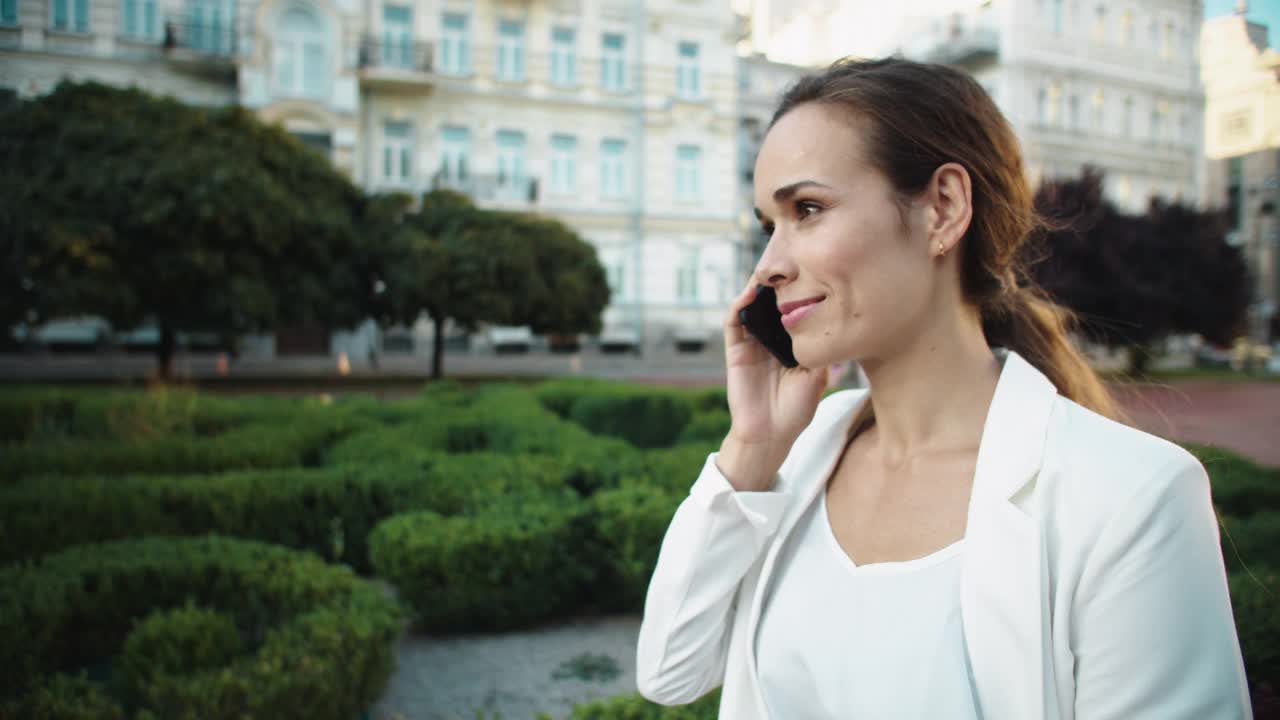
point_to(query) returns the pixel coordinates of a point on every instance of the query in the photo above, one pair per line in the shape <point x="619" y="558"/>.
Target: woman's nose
<point x="774" y="268"/>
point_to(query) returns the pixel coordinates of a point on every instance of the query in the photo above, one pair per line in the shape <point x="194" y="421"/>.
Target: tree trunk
<point x="165" y="351"/>
<point x="437" y="347"/>
<point x="1139" y="359"/>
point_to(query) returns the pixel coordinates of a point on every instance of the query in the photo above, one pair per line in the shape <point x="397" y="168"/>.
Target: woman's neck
<point x="934" y="394"/>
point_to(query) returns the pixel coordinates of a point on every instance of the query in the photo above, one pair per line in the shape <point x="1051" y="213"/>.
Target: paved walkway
<point x="1244" y="417"/>
<point x="511" y="676"/>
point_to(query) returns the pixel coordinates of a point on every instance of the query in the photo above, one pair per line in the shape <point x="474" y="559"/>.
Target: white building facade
<point x="1114" y="85"/>
<point x="1242" y="141"/>
<point x="616" y="116"/>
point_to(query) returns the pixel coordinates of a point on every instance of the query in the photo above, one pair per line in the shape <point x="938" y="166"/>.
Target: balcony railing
<point x="965" y="40"/>
<point x="396" y="54"/>
<point x="211" y="39"/>
<point x="498" y="188"/>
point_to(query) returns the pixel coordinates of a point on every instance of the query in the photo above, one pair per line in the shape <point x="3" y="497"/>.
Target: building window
<point x="455" y="44"/>
<point x="612" y="62"/>
<point x="70" y="15"/>
<point x="1099" y="111"/>
<point x="301" y="56"/>
<point x="139" y="20"/>
<point x="1235" y="186"/>
<point x="687" y="278"/>
<point x="1047" y="105"/>
<point x="1126" y="28"/>
<point x="688" y="76"/>
<point x="8" y="12"/>
<point x="1073" y="112"/>
<point x="1166" y="41"/>
<point x="613" y="168"/>
<point x="510" y="50"/>
<point x="397" y="36"/>
<point x="616" y="273"/>
<point x="1100" y="24"/>
<point x="455" y="154"/>
<point x="210" y="27"/>
<point x="1126" y="118"/>
<point x="397" y="153"/>
<point x="1160" y="121"/>
<point x="1042" y="106"/>
<point x="1056" y="18"/>
<point x="511" y="164"/>
<point x="688" y="173"/>
<point x="564" y="163"/>
<point x="564" y="56"/>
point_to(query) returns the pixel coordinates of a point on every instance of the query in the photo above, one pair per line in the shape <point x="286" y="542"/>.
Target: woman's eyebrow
<point x="785" y="192"/>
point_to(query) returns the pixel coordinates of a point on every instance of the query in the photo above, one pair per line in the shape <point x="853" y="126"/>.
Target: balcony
<point x="490" y="189"/>
<point x="965" y="41"/>
<point x="204" y="49"/>
<point x="399" y="64"/>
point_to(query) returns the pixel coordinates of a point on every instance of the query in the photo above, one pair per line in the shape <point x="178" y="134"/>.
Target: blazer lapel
<point x="816" y="457"/>
<point x="1004" y="587"/>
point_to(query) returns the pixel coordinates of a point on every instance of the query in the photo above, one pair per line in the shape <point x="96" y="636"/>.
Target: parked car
<point x="510" y="339"/>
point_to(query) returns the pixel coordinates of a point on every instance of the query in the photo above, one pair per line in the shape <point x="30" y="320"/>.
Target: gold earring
<point x="942" y="251"/>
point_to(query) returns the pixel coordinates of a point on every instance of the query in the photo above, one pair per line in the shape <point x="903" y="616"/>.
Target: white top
<point x="842" y="641"/>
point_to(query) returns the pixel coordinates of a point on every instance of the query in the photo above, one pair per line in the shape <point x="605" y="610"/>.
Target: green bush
<point x="630" y="523"/>
<point x="673" y="470"/>
<point x="634" y="707"/>
<point x="178" y="641"/>
<point x="321" y="639"/>
<point x="329" y="511"/>
<point x="1240" y="487"/>
<point x="513" y="566"/>
<point x="707" y="427"/>
<point x="36" y="414"/>
<point x="65" y="697"/>
<point x="1255" y="540"/>
<point x="298" y="441"/>
<point x="1254" y="600"/>
<point x="646" y="420"/>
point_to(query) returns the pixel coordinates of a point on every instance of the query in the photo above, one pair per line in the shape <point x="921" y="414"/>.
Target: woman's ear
<point x="950" y="197"/>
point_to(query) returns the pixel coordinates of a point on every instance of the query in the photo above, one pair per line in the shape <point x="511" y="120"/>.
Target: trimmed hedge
<point x="266" y="445"/>
<point x="511" y="567"/>
<point x="707" y="427"/>
<point x="1254" y="600"/>
<point x="630" y="523"/>
<point x="319" y="639"/>
<point x="635" y="707"/>
<point x="646" y="417"/>
<point x="1240" y="487"/>
<point x="1255" y="540"/>
<point x="329" y="511"/>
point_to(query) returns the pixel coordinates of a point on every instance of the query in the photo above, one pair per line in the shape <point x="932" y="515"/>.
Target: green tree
<point x="454" y="261"/>
<point x="1134" y="279"/>
<point x="139" y="208"/>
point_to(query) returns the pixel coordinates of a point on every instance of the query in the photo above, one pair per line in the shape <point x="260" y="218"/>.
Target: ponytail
<point x="1024" y="320"/>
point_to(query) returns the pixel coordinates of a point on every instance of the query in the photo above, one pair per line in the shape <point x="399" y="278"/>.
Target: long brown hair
<point x="919" y="116"/>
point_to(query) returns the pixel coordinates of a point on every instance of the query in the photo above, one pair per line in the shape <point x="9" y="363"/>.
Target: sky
<point x="1266" y="12"/>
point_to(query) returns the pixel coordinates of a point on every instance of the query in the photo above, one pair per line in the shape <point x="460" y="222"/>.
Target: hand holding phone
<point x="762" y="319"/>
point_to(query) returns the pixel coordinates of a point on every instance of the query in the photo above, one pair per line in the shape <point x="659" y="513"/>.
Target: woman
<point x="973" y="537"/>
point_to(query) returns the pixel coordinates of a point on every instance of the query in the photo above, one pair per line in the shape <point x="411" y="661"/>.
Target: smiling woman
<point x="975" y="536"/>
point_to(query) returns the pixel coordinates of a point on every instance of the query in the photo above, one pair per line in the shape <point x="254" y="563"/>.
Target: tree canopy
<point x="454" y="261"/>
<point x="1133" y="279"/>
<point x="139" y="208"/>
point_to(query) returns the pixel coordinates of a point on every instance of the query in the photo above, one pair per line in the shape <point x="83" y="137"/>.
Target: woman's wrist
<point x="749" y="466"/>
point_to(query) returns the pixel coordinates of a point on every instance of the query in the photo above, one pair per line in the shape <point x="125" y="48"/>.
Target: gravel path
<point x="510" y="675"/>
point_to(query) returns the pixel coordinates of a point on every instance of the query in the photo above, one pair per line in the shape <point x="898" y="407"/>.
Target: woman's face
<point x="853" y="281"/>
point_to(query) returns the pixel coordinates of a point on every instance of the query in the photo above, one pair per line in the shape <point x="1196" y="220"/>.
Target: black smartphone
<point x="762" y="319"/>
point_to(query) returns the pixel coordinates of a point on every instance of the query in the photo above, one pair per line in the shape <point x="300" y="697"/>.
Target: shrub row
<point x="1254" y="600"/>
<point x="329" y="511"/>
<point x="314" y="640"/>
<point x="634" y="707"/>
<point x="39" y="414"/>
<point x="1240" y="486"/>
<point x="515" y="565"/>
<point x="1252" y="542"/>
<point x="646" y="417"/>
<point x="298" y="441"/>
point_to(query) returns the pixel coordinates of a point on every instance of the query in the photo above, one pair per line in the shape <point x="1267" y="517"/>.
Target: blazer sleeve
<point x="715" y="537"/>
<point x="1152" y="628"/>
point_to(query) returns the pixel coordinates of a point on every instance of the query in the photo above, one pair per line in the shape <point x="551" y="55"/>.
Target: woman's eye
<point x="805" y="208"/>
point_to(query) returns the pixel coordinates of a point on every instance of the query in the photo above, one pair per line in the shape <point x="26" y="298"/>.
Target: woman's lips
<point x="793" y="313"/>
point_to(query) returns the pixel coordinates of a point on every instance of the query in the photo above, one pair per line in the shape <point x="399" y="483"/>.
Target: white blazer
<point x="1093" y="584"/>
